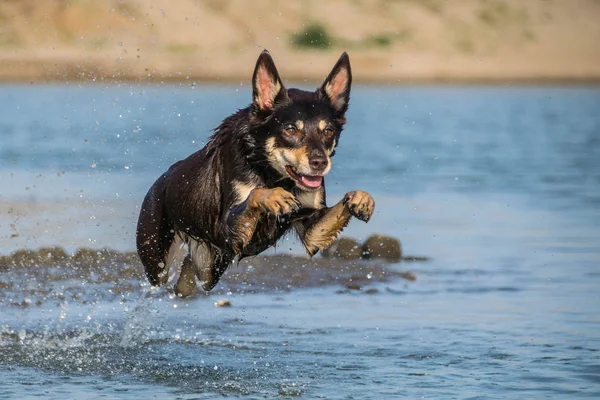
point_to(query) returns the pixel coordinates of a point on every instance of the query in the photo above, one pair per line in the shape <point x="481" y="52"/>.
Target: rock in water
<point x="344" y="248"/>
<point x="223" y="303"/>
<point x="381" y="246"/>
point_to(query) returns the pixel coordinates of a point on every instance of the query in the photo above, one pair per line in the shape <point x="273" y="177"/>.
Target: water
<point x="500" y="186"/>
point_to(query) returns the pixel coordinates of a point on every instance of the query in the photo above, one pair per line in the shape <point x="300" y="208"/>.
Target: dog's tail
<point x="155" y="234"/>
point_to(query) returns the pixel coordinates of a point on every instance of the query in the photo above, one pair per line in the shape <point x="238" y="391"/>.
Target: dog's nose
<point x="318" y="163"/>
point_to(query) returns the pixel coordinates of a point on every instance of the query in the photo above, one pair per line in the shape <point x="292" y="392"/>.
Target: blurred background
<point x="389" y="40"/>
<point x="474" y="124"/>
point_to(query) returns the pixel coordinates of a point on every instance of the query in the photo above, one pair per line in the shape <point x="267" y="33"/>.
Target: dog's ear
<point x="267" y="87"/>
<point x="336" y="87"/>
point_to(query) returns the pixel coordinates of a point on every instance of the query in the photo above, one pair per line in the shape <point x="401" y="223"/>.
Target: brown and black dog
<point x="260" y="175"/>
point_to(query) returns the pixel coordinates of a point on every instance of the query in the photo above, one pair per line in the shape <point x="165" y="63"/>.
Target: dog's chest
<point x="268" y="230"/>
<point x="312" y="200"/>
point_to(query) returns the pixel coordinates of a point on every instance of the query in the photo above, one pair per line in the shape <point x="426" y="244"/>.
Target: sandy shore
<point x="388" y="41"/>
<point x="100" y="70"/>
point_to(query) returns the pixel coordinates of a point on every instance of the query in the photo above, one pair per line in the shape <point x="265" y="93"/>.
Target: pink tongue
<point x="311" y="181"/>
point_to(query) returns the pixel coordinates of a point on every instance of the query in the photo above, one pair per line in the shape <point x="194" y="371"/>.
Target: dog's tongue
<point x="311" y="181"/>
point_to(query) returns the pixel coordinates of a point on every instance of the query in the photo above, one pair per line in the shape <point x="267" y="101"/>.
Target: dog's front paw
<point x="360" y="204"/>
<point x="275" y="201"/>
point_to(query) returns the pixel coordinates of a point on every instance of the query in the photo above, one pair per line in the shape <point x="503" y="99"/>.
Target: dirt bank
<point x="388" y="40"/>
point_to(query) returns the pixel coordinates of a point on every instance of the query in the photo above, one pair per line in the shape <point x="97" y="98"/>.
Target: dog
<point x="260" y="175"/>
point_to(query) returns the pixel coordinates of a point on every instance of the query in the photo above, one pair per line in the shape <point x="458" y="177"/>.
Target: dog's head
<point x="300" y="129"/>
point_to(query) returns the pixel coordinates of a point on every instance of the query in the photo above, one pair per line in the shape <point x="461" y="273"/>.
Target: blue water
<point x="500" y="186"/>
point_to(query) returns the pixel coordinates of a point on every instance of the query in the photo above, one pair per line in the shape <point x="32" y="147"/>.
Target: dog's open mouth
<point x="308" y="181"/>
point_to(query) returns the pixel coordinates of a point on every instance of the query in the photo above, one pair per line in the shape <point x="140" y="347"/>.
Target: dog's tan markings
<point x="270" y="146"/>
<point x="300" y="155"/>
<point x="323" y="232"/>
<point x="276" y="201"/>
<point x="298" y="159"/>
<point x="360" y="204"/>
<point x="300" y="125"/>
<point x="275" y="156"/>
<point x="242" y="191"/>
<point x="243" y="228"/>
<point x="280" y="157"/>
<point x="311" y="199"/>
<point x="322" y="125"/>
<point x="330" y="150"/>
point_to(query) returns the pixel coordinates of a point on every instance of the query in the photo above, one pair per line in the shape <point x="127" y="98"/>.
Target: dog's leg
<point x="209" y="263"/>
<point x="220" y="263"/>
<point x="319" y="232"/>
<point x="186" y="284"/>
<point x="154" y="235"/>
<point x="206" y="263"/>
<point x="243" y="218"/>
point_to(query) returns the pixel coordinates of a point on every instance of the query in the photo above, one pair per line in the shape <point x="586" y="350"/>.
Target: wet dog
<point x="260" y="176"/>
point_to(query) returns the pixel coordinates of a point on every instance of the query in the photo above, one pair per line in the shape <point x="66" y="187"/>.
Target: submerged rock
<point x="382" y="246"/>
<point x="55" y="254"/>
<point x="375" y="247"/>
<point x="113" y="274"/>
<point x="92" y="256"/>
<point x="415" y="258"/>
<point x="409" y="276"/>
<point x="345" y="248"/>
<point x="25" y="257"/>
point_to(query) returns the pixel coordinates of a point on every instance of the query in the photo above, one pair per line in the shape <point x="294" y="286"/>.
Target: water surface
<point x="500" y="186"/>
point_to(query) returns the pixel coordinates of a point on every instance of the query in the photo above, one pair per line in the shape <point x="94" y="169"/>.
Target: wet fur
<point x="233" y="198"/>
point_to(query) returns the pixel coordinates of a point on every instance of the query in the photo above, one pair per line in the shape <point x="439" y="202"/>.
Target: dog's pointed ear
<point x="336" y="87"/>
<point x="267" y="87"/>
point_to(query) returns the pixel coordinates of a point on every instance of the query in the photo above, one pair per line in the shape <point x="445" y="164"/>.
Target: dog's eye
<point x="291" y="130"/>
<point x="329" y="132"/>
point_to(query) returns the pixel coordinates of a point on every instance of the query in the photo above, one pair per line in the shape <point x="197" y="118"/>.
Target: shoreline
<point x="592" y="81"/>
<point x="294" y="68"/>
